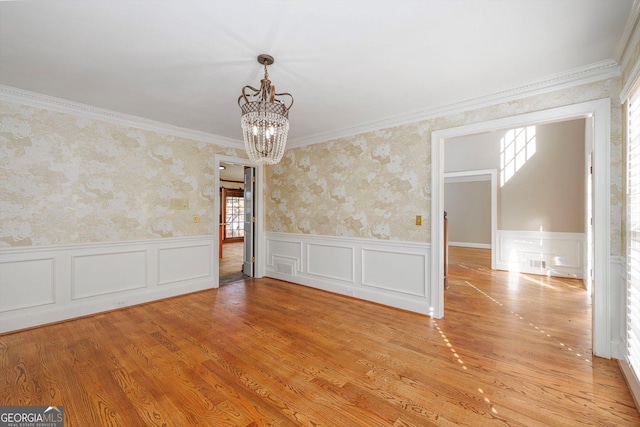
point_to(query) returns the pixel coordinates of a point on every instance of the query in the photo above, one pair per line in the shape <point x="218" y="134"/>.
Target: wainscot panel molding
<point x="45" y="284"/>
<point x="548" y="253"/>
<point x="618" y="307"/>
<point x="104" y="273"/>
<point x="386" y="272"/>
<point x="177" y="264"/>
<point x="38" y="275"/>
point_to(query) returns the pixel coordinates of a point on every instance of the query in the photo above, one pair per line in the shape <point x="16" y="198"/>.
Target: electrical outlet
<point x="196" y="218"/>
<point x="418" y="219"/>
<point x="121" y="303"/>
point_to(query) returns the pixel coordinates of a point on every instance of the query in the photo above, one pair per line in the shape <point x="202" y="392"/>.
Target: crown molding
<point x="591" y="73"/>
<point x="578" y="76"/>
<point x="631" y="84"/>
<point x="38" y="100"/>
<point x="629" y="35"/>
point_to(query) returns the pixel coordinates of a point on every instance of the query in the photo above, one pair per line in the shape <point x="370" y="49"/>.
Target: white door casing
<point x="259" y="237"/>
<point x="600" y="111"/>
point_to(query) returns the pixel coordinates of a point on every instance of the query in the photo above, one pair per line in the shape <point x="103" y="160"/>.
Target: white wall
<point x="541" y="196"/>
<point x="546" y="192"/>
<point x="470" y="152"/>
<point x="468" y="207"/>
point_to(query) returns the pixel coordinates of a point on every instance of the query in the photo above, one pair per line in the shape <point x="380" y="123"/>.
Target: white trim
<point x="277" y="235"/>
<point x="601" y="111"/>
<point x="260" y="243"/>
<point x="588" y="198"/>
<point x="631" y="380"/>
<point x="6" y="250"/>
<point x="38" y="100"/>
<point x="633" y="81"/>
<point x="582" y="75"/>
<point x="619" y="317"/>
<point x="472" y="245"/>
<point x="463" y="178"/>
<point x="578" y="76"/>
<point x="628" y="37"/>
<point x="478" y="175"/>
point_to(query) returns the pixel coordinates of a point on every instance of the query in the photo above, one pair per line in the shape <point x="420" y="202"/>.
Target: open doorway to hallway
<point x="543" y="198"/>
<point x="599" y="111"/>
<point x="236" y="211"/>
<point x="538" y="225"/>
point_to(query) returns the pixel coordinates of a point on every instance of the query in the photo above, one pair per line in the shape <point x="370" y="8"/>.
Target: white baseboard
<point x="386" y="272"/>
<point x="631" y="379"/>
<point x="53" y="283"/>
<point x="471" y="245"/>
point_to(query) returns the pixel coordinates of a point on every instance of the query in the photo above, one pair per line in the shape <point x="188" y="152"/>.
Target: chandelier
<point x="265" y="119"/>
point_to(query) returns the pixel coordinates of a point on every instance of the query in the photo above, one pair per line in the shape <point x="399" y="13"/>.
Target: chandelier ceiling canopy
<point x="265" y="118"/>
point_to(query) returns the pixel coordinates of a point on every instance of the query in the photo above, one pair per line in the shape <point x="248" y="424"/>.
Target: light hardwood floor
<point x="231" y="261"/>
<point x="512" y="350"/>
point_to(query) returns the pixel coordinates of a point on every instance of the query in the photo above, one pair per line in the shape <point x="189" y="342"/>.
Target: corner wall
<point x="88" y="214"/>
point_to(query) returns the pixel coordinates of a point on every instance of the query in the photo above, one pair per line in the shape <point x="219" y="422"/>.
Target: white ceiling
<point x="347" y="63"/>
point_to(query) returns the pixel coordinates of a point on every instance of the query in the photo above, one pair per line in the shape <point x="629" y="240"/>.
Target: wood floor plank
<point x="512" y="350"/>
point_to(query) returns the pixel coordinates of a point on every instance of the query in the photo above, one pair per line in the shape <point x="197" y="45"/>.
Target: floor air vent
<point x="535" y="263"/>
<point x="284" y="269"/>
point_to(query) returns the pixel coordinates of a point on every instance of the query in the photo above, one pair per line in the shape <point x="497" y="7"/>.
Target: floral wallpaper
<point x="372" y="185"/>
<point x="70" y="179"/>
<point x="67" y="178"/>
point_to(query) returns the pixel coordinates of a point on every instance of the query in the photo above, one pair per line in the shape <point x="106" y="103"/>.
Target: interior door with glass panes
<point x="249" y="221"/>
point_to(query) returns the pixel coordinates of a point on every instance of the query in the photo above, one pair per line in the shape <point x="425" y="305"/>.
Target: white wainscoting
<point x="618" y="301"/>
<point x="619" y="324"/>
<point x="555" y="254"/>
<point x="40" y="285"/>
<point x="386" y="272"/>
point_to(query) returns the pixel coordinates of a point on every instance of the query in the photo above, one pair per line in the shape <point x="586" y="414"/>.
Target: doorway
<point x="239" y="216"/>
<point x="232" y="222"/>
<point x="488" y="176"/>
<point x="600" y="111"/>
